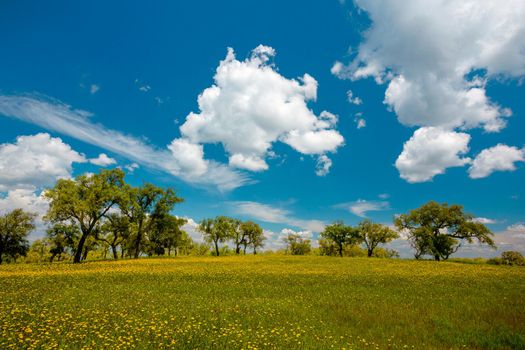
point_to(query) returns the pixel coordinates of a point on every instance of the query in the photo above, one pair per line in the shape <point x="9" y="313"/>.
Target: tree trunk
<point x="436" y="257"/>
<point x="85" y="255"/>
<point x="254" y="251"/>
<point x="137" y="241"/>
<point x="370" y="252"/>
<point x="216" y="248"/>
<point x="114" y="251"/>
<point x="238" y="249"/>
<point x="80" y="248"/>
<point x="340" y="250"/>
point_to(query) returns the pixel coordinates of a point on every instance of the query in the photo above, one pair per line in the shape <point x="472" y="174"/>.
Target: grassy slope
<point x="262" y="302"/>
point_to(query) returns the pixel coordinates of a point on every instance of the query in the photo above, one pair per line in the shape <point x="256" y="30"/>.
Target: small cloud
<point x="323" y="165"/>
<point x="131" y="167"/>
<point x="361" y="207"/>
<point x="159" y="100"/>
<point x="361" y="123"/>
<point x="353" y="99"/>
<point x="518" y="229"/>
<point x="102" y="160"/>
<point x="94" y="88"/>
<point x="485" y="221"/>
<point x="142" y="87"/>
<point x="384" y="196"/>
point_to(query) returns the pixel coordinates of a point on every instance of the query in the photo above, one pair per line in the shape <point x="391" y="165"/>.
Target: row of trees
<point x="102" y="210"/>
<point x="99" y="209"/>
<point x="434" y="230"/>
<point x="223" y="229"/>
<point x="339" y="239"/>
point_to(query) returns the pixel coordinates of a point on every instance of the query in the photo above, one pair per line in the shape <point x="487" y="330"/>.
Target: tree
<point x="114" y="231"/>
<point x="253" y="235"/>
<point x="85" y="200"/>
<point x="297" y="245"/>
<point x="144" y="206"/>
<point x="62" y="237"/>
<point x="216" y="230"/>
<point x="167" y="234"/>
<point x="15" y="226"/>
<point x="373" y="234"/>
<point x="239" y="235"/>
<point x="436" y="229"/>
<point x="341" y="235"/>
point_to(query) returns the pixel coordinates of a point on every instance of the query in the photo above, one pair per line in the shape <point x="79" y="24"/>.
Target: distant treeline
<point x="103" y="215"/>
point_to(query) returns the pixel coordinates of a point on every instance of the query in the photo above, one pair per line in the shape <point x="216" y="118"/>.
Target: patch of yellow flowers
<point x="247" y="302"/>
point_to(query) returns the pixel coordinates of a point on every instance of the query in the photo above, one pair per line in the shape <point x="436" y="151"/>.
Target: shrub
<point x="513" y="258"/>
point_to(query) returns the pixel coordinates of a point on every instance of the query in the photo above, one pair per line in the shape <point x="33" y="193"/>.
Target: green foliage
<point x="511" y="258"/>
<point x="341" y="235"/>
<point x="15" y="226"/>
<point x="85" y="200"/>
<point x="253" y="235"/>
<point x="168" y="235"/>
<point x="297" y="245"/>
<point x="373" y="234"/>
<point x="217" y="230"/>
<point x="62" y="238"/>
<point x="436" y="229"/>
<point x="145" y="206"/>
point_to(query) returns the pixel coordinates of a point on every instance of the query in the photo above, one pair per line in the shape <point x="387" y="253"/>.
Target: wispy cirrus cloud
<point x="59" y="117"/>
<point x="361" y="207"/>
<point x="268" y="213"/>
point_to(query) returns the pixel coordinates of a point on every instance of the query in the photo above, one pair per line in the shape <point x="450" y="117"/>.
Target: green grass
<point x="262" y="302"/>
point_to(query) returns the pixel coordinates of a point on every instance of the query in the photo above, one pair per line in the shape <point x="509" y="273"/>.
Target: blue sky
<point x="434" y="90"/>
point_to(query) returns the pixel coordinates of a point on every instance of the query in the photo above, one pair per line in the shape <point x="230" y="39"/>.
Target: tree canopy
<point x="14" y="229"/>
<point x="437" y="229"/>
<point x="372" y="234"/>
<point x="341" y="235"/>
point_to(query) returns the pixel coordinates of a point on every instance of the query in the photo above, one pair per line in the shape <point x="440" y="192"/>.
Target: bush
<point x="511" y="258"/>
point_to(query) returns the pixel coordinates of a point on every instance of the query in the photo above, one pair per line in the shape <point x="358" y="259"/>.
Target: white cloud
<point x="361" y="207"/>
<point x="517" y="229"/>
<point x="323" y="165"/>
<point x="131" y="167"/>
<point x="430" y="151"/>
<point x="497" y="158"/>
<point x="485" y="221"/>
<point x="251" y="106"/>
<point x="361" y="123"/>
<point x="353" y="99"/>
<point x="94" y="88"/>
<point x="267" y="213"/>
<point x="35" y="161"/>
<point x="436" y="58"/>
<point x="28" y="200"/>
<point x="191" y="228"/>
<point x="27" y="166"/>
<point x="59" y="117"/>
<point x="102" y="160"/>
<point x="141" y="86"/>
<point x="189" y="157"/>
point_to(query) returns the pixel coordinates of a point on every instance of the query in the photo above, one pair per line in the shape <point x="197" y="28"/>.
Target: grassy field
<point x="262" y="302"/>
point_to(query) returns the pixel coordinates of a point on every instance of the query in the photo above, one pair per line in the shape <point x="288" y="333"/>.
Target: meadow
<point x="264" y="302"/>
